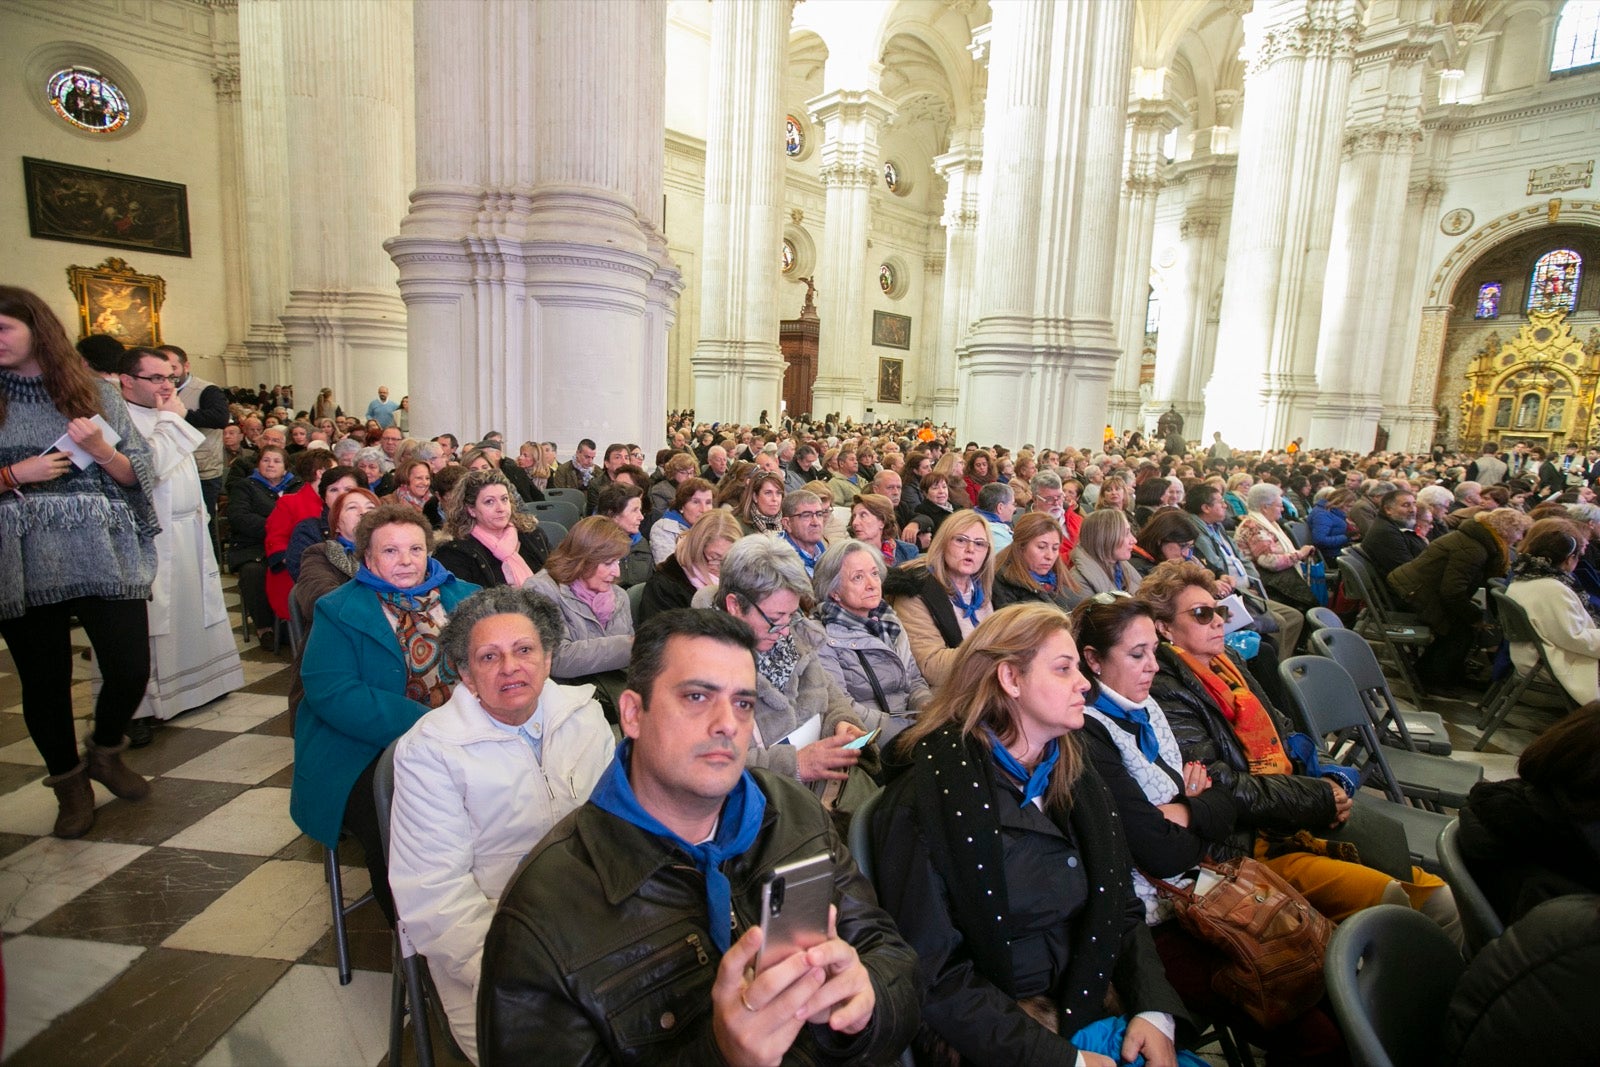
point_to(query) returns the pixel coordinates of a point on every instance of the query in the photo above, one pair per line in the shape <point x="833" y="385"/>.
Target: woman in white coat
<point x="1542" y="583"/>
<point x="481" y="779"/>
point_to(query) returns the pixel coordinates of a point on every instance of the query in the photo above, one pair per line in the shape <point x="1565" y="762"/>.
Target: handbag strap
<point x="872" y="679"/>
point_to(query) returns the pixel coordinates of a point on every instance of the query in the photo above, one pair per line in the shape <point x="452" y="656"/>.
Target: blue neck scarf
<point x="805" y="557"/>
<point x="1139" y="718"/>
<point x="969" y="608"/>
<point x="345" y="543"/>
<point x="436" y="577"/>
<point x="277" y="487"/>
<point x="674" y="515"/>
<point x="991" y="516"/>
<point x="1048" y="578"/>
<point x="1039" y="780"/>
<point x="634" y="538"/>
<point x="736" y="832"/>
<point x="1116" y="576"/>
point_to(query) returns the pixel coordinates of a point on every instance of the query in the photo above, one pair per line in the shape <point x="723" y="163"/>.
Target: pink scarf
<point x="602" y="603"/>
<point x="504" y="546"/>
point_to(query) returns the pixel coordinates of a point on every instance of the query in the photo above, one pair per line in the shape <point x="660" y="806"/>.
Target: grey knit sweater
<point x="81" y="535"/>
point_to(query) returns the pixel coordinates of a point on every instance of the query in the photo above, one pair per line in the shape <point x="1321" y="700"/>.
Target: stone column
<point x="851" y="120"/>
<point x="264" y="177"/>
<point x="1409" y="410"/>
<point x="738" y="367"/>
<point x="234" y="358"/>
<point x="1037" y="363"/>
<point x="347" y="72"/>
<point x="1180" y="374"/>
<point x="1263" y="383"/>
<point x="960" y="168"/>
<point x="536" y="281"/>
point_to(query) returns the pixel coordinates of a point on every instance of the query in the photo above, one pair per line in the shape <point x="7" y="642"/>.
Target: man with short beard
<point x="1390" y="539"/>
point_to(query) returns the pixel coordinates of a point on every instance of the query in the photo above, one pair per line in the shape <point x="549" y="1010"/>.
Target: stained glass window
<point x="89" y="101"/>
<point x="891" y="176"/>
<point x="1555" y="281"/>
<point x="886" y="278"/>
<point x="794" y="136"/>
<point x="1488" y="301"/>
<point x="788" y="255"/>
<point x="1577" y="36"/>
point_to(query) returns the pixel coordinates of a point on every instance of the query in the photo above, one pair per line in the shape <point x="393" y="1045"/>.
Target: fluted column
<point x="738" y="367"/>
<point x="1038" y="360"/>
<point x="1180" y="372"/>
<point x="851" y="120"/>
<point x="1263" y="384"/>
<point x="1409" y="386"/>
<point x="347" y="71"/>
<point x="960" y="168"/>
<point x="234" y="358"/>
<point x="264" y="178"/>
<point x="536" y="280"/>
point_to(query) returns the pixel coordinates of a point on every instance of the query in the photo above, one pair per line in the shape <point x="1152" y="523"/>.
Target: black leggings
<point x="253" y="595"/>
<point x="361" y="823"/>
<point x="41" y="646"/>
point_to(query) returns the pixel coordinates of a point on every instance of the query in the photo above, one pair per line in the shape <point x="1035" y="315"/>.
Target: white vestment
<point x="193" y="659"/>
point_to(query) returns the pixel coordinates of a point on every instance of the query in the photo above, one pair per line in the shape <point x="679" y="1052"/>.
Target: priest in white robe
<point x="193" y="659"/>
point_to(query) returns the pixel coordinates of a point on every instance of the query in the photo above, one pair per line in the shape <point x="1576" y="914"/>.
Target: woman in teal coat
<point x="373" y="666"/>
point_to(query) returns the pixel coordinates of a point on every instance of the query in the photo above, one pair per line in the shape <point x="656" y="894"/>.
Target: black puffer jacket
<point x="470" y="559"/>
<point x="1522" y="848"/>
<point x="1286" y="802"/>
<point x="600" y="950"/>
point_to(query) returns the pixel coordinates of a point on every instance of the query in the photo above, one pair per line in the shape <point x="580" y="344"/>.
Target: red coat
<point x="291" y="508"/>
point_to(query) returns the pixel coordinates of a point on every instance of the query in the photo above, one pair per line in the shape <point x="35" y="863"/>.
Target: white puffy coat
<point x="1571" y="639"/>
<point x="470" y="801"/>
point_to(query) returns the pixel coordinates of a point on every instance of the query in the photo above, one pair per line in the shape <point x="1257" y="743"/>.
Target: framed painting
<point x="891" y="379"/>
<point x="113" y="298"/>
<point x="101" y="207"/>
<point x="890" y="330"/>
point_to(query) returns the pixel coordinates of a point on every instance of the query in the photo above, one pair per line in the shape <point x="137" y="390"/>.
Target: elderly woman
<point x="324" y="567"/>
<point x="372" y="668"/>
<point x="1172" y="816"/>
<point x="492" y="543"/>
<point x="695" y="561"/>
<point x="954" y="469"/>
<point x="413" y="484"/>
<point x="678" y="469"/>
<point x="760" y="508"/>
<point x="872" y="520"/>
<point x="934" y="508"/>
<point x="763" y="583"/>
<point x="1222" y="719"/>
<point x="1101" y="560"/>
<point x="291" y="509"/>
<point x="251" y="500"/>
<point x="1542" y="583"/>
<point x="623" y="503"/>
<point x="867" y="653"/>
<point x="580" y="578"/>
<point x="1238" y="485"/>
<point x="1031" y="569"/>
<point x="1440" y="583"/>
<point x="336" y="481"/>
<point x="691" y="500"/>
<point x="1000" y="856"/>
<point x="1262" y="539"/>
<point x="942" y="597"/>
<point x="1437" y="501"/>
<point x="370" y="462"/>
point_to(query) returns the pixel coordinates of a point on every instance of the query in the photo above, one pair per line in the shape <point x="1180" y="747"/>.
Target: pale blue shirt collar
<point x="531" y="731"/>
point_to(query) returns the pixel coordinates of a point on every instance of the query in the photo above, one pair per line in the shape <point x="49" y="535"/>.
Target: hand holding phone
<point x="864" y="740"/>
<point x="794" y="909"/>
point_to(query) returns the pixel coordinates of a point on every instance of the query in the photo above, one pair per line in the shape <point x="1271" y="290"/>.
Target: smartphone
<point x="865" y="739"/>
<point x="794" y="908"/>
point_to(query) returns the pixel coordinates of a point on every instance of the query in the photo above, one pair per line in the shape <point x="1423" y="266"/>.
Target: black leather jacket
<point x="1286" y="802"/>
<point x="600" y="950"/>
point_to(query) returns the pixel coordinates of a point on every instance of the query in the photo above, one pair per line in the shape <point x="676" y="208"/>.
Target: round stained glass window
<point x="87" y="99"/>
<point x="886" y="278"/>
<point x="788" y="255"/>
<point x="794" y="136"/>
<point x="891" y="176"/>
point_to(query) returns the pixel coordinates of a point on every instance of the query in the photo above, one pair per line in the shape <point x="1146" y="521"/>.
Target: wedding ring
<point x="742" y="1000"/>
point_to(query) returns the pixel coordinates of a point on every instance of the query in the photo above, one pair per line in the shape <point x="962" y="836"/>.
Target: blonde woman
<point x="942" y="598"/>
<point x="694" y="564"/>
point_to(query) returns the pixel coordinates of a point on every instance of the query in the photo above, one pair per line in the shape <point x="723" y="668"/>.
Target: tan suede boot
<point x="76" y="801"/>
<point x="107" y="768"/>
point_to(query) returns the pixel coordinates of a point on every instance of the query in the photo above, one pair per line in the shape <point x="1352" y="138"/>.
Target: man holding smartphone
<point x="633" y="931"/>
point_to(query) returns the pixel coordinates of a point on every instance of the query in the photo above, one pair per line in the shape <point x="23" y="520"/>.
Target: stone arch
<point x="1447" y="276"/>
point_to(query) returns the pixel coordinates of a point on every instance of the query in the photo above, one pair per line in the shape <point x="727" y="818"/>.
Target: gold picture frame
<point x="115" y="299"/>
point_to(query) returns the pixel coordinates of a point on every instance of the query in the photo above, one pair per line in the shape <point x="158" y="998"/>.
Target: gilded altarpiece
<point x="1537" y="388"/>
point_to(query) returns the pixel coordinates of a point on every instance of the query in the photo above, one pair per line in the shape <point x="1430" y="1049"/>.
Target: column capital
<point x="1312" y="31"/>
<point x="225" y="78"/>
<point x="1200" y="222"/>
<point x="849" y="107"/>
<point x="1389" y="136"/>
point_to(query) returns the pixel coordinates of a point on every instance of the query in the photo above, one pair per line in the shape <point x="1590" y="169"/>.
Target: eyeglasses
<point x="786" y="623"/>
<point x="157" y="379"/>
<point x="1204" y="613"/>
<point x="814" y="516"/>
<point x="1185" y="546"/>
<point x="962" y="541"/>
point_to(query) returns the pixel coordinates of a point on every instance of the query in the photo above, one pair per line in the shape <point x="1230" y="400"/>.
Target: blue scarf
<point x="1116" y="576"/>
<point x="991" y="516"/>
<point x="1048" y="578"/>
<point x="634" y="538"/>
<point x="806" y="558"/>
<point x="347" y="545"/>
<point x="970" y="610"/>
<point x="736" y="832"/>
<point x="436" y="577"/>
<point x="1039" y="780"/>
<point x="1139" y="718"/>
<point x="277" y="487"/>
<point x="674" y="515"/>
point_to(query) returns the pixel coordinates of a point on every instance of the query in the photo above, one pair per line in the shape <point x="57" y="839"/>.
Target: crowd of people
<point x="607" y="733"/>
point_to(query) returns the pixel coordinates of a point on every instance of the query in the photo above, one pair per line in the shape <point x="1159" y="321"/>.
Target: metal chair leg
<point x="412" y="965"/>
<point x="397" y="1004"/>
<point x="341" y="941"/>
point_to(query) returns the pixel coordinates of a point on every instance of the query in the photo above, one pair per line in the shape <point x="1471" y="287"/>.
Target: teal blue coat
<point x="355" y="703"/>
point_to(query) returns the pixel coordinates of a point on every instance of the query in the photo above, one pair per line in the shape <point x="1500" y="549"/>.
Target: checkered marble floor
<point x="194" y="927"/>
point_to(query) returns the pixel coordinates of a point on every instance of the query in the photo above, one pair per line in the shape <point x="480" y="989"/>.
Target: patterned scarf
<point x="417" y="615"/>
<point x="765" y="523"/>
<point x="1252" y="725"/>
<point x="880" y="621"/>
<point x="406" y="496"/>
<point x="778" y="662"/>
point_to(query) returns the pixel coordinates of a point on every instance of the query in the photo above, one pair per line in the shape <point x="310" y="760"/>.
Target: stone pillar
<point x="347" y="72"/>
<point x="960" y="168"/>
<point x="537" y="284"/>
<point x="851" y="120"/>
<point x="1180" y="374"/>
<point x="738" y="367"/>
<point x="1037" y="363"/>
<point x="1263" y="383"/>
<point x="264" y="177"/>
<point x="234" y="359"/>
<point x="1409" y="410"/>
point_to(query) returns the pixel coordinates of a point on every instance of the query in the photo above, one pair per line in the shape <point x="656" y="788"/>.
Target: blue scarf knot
<point x="969" y="609"/>
<point x="736" y="832"/>
<point x="1140" y="718"/>
<point x="635" y="538"/>
<point x="277" y="487"/>
<point x="674" y="515"/>
<point x="345" y="543"/>
<point x="1039" y="780"/>
<point x="412" y="597"/>
<point x="1048" y="578"/>
<point x="1117" y="578"/>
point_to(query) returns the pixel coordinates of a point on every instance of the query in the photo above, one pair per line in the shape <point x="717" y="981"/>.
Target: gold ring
<point x="742" y="1000"/>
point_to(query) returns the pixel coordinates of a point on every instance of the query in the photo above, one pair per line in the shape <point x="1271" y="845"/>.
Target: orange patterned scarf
<point x="1252" y="724"/>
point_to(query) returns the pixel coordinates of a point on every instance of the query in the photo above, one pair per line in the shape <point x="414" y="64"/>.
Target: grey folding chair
<point x="578" y="498"/>
<point x="1401" y="634"/>
<point x="554" y="532"/>
<point x="1518" y="629"/>
<point x="341" y="910"/>
<point x="1298" y="532"/>
<point x="562" y="511"/>
<point x="1419" y="731"/>
<point x="1390" y="973"/>
<point x="635" y="599"/>
<point x="1321" y="618"/>
<point x="1479" y="921"/>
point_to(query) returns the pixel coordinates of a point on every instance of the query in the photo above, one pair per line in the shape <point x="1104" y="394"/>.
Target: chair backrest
<point x="554" y="532"/>
<point x="297" y="626"/>
<point x="1350" y="650"/>
<point x="576" y="497"/>
<point x="635" y="598"/>
<point x="1514" y="621"/>
<point x="562" y="511"/>
<point x="860" y="841"/>
<point x="1321" y="618"/>
<point x="1299" y="532"/>
<point x="1329" y="702"/>
<point x="1354" y="569"/>
<point x="1390" y="973"/>
<point x="383" y="791"/>
<point x="1479" y="921"/>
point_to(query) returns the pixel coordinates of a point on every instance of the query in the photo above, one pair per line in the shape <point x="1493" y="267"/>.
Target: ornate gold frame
<point x="1544" y="378"/>
<point x="113" y="298"/>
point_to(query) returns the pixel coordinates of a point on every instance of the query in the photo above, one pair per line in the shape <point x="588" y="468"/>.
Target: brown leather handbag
<point x="1272" y="937"/>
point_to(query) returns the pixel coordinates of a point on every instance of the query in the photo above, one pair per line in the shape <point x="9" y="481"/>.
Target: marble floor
<point x="194" y="927"/>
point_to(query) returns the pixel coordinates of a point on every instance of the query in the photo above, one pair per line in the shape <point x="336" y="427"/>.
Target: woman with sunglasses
<point x="942" y="597"/>
<point x="1030" y="569"/>
<point x="1102" y="560"/>
<point x="763" y="583"/>
<point x="1222" y="719"/>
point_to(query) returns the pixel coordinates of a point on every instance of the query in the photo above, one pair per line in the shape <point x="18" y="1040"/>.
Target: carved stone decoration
<point x="1560" y="176"/>
<point x="1455" y="223"/>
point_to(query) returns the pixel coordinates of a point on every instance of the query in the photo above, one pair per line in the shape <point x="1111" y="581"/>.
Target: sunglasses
<point x="1204" y="613"/>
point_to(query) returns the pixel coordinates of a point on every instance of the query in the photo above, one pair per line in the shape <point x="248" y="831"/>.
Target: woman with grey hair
<point x="370" y="461"/>
<point x="867" y="653"/>
<point x="763" y="583"/>
<point x="1438" y="501"/>
<point x="1587" y="574"/>
<point x="1262" y="539"/>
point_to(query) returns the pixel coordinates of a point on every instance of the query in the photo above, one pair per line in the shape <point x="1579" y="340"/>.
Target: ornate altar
<point x="1536" y="389"/>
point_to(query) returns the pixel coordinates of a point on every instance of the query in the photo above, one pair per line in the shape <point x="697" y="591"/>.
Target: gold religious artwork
<point x="1537" y="388"/>
<point x="115" y="299"/>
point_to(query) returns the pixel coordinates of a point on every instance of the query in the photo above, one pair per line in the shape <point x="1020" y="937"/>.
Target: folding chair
<point x="562" y="511"/>
<point x="1479" y="921"/>
<point x="1419" y="731"/>
<point x="341" y="910"/>
<point x="1298" y="532"/>
<point x="635" y="599"/>
<point x="1390" y="973"/>
<point x="578" y="498"/>
<point x="1320" y="618"/>
<point x="554" y="532"/>
<point x="1518" y="629"/>
<point x="1401" y="634"/>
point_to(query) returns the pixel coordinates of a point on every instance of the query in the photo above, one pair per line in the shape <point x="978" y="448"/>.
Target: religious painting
<point x="1555" y="413"/>
<point x="1528" y="412"/>
<point x="87" y="100"/>
<point x="1502" y="412"/>
<point x="1488" y="301"/>
<point x="890" y="330"/>
<point x="100" y="207"/>
<point x="891" y="379"/>
<point x="1555" y="281"/>
<point x="113" y="298"/>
